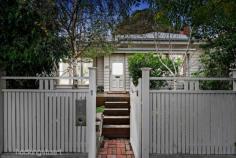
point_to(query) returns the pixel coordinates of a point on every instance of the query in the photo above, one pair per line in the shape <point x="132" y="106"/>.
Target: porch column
<point x="188" y="65"/>
<point x="2" y="86"/>
<point x="234" y="77"/>
<point x="91" y="114"/>
<point x="145" y="111"/>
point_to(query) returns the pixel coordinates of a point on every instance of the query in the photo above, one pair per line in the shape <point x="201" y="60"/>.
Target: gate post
<point x="91" y="114"/>
<point x="145" y="112"/>
<point x="234" y="77"/>
<point x="2" y="86"/>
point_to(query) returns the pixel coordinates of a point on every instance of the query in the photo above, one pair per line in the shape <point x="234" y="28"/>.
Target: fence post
<point x="234" y="77"/>
<point x="2" y="86"/>
<point x="145" y="111"/>
<point x="91" y="114"/>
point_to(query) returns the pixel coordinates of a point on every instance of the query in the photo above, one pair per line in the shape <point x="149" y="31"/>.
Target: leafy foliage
<point x="144" y="21"/>
<point x="87" y="24"/>
<point x="29" y="41"/>
<point x="139" y="22"/>
<point x="35" y="35"/>
<point x="138" y="61"/>
<point x="218" y="26"/>
<point x="100" y="109"/>
<point x="216" y="64"/>
<point x="211" y="20"/>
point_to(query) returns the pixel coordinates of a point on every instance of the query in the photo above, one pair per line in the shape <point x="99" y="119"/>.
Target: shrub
<point x="138" y="61"/>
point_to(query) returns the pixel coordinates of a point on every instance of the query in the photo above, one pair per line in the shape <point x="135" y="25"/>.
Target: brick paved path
<point x="116" y="148"/>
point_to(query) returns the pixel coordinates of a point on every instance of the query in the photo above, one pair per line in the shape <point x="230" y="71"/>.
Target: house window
<point x="81" y="70"/>
<point x="65" y="71"/>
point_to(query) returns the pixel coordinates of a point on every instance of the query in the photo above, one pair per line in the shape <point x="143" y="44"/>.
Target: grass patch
<point x="100" y="109"/>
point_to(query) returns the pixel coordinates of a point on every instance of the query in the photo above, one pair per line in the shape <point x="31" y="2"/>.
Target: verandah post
<point x="145" y="111"/>
<point x="91" y="114"/>
<point x="2" y="86"/>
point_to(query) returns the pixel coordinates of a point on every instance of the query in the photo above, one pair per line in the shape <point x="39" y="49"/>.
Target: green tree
<point x="213" y="21"/>
<point x="144" y="21"/>
<point x="139" y="22"/>
<point x="154" y="61"/>
<point x="29" y="37"/>
<point x="88" y="24"/>
<point x="216" y="22"/>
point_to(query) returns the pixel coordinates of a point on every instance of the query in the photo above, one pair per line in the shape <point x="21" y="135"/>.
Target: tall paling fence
<point x="40" y="120"/>
<point x="190" y="121"/>
<point x="50" y="119"/>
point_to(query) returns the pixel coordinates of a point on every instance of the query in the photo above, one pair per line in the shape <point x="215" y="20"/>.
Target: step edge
<point x="118" y="117"/>
<point x="116" y="102"/>
<point x="116" y="109"/>
<point x="116" y="126"/>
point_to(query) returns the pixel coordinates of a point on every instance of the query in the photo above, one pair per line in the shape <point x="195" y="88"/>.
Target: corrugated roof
<point x="153" y="36"/>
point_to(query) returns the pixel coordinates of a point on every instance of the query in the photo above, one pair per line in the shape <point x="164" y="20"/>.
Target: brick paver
<point x="116" y="148"/>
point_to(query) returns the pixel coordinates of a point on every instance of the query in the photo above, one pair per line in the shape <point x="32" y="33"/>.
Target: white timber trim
<point x="40" y="78"/>
<point x="191" y="79"/>
<point x="161" y="42"/>
<point x="46" y="90"/>
<point x="91" y="114"/>
<point x="145" y="111"/>
<point x="2" y="85"/>
<point x="234" y="78"/>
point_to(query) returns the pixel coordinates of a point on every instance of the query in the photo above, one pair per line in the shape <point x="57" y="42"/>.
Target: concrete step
<point x="116" y="131"/>
<point x="116" y="120"/>
<point x="116" y="111"/>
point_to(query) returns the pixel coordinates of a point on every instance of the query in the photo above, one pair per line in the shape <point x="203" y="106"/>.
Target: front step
<point x="116" y="111"/>
<point x="117" y="104"/>
<point x="116" y="120"/>
<point x="117" y="98"/>
<point x="116" y="131"/>
<point x="116" y="116"/>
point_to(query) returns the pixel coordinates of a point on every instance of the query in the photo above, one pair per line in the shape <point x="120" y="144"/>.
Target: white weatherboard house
<point x="112" y="71"/>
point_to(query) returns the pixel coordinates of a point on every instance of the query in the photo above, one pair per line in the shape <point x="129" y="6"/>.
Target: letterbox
<point x="80" y="112"/>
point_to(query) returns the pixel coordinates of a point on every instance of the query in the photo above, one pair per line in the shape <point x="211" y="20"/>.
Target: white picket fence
<point x="182" y="122"/>
<point x="44" y="119"/>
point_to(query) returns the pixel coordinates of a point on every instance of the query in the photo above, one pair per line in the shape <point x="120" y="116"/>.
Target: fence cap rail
<point x="192" y="78"/>
<point x="194" y="91"/>
<point x="51" y="91"/>
<point x="40" y="78"/>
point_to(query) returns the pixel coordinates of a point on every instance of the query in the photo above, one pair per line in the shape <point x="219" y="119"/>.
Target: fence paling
<point x="45" y="118"/>
<point x="34" y="121"/>
<point x="206" y="123"/>
<point x="189" y="121"/>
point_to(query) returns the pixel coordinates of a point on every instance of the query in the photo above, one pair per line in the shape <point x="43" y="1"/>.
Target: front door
<point x="117" y="73"/>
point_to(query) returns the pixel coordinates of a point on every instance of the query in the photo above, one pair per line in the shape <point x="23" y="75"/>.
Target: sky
<point x="142" y="6"/>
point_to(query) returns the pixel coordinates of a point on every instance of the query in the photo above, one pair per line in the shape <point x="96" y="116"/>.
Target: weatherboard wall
<point x="100" y="71"/>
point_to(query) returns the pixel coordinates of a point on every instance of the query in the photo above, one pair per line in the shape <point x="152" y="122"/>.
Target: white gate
<point x="44" y="119"/>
